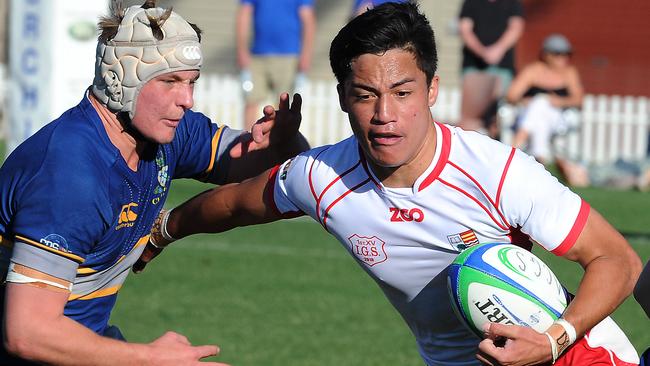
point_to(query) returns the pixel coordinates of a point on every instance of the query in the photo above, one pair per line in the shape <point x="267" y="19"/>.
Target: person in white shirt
<point x="405" y="194"/>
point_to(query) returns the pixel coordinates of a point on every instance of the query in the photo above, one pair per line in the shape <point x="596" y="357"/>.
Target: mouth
<point x="384" y="139"/>
<point x="172" y="122"/>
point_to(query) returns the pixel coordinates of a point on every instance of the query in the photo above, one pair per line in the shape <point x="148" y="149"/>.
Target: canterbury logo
<point x="404" y="214"/>
<point x="192" y="52"/>
<point x="127" y="216"/>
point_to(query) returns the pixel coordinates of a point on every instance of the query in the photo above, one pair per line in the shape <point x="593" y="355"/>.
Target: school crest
<point x="464" y="240"/>
<point x="369" y="250"/>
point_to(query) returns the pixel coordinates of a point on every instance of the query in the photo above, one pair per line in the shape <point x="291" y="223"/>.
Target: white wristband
<point x="569" y="329"/>
<point x="554" y="351"/>
<point x="163" y="227"/>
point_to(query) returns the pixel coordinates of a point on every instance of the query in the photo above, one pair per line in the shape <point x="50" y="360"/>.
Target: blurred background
<point x="241" y="289"/>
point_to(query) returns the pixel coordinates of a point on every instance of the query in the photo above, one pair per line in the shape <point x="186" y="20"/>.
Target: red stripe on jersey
<point x="270" y="199"/>
<point x="339" y="199"/>
<point x="311" y="182"/>
<point x="573" y="235"/>
<point x="478" y="185"/>
<point x="581" y="353"/>
<point x="366" y="168"/>
<point x="320" y="197"/>
<point x="476" y="201"/>
<point x="503" y="175"/>
<point x="270" y="187"/>
<point x="442" y="161"/>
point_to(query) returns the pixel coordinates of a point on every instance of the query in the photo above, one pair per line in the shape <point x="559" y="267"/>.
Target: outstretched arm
<point x="36" y="329"/>
<point x="213" y="211"/>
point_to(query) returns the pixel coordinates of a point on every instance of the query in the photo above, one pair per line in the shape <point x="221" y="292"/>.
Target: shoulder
<point x="478" y="154"/>
<point x="324" y="161"/>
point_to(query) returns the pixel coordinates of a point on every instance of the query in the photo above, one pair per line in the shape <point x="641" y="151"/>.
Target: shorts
<point x="504" y="75"/>
<point x="271" y="75"/>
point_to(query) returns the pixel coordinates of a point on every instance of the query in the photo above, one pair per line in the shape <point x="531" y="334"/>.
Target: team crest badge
<point x="369" y="250"/>
<point x="464" y="240"/>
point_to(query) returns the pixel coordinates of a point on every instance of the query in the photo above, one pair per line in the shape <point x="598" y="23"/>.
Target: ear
<point x="340" y="88"/>
<point x="433" y="90"/>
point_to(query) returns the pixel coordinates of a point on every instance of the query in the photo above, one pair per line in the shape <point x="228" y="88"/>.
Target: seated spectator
<point x="545" y="88"/>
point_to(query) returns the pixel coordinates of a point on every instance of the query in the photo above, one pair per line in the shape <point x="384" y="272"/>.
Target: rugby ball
<point x="504" y="283"/>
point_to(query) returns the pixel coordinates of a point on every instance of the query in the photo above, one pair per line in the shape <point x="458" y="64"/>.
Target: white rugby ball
<point x="504" y="283"/>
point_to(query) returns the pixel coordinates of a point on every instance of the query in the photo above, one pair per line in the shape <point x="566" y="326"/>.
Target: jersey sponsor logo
<point x="464" y="240"/>
<point x="406" y="215"/>
<point x="56" y="242"/>
<point x="369" y="250"/>
<point x="127" y="216"/>
<point x="285" y="169"/>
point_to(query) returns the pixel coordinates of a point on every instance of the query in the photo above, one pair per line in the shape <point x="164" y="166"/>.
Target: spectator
<point x="361" y="6"/>
<point x="489" y="30"/>
<point x="281" y="49"/>
<point x="546" y="88"/>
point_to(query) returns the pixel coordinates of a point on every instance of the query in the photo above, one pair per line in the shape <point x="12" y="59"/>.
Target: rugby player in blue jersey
<point x="79" y="197"/>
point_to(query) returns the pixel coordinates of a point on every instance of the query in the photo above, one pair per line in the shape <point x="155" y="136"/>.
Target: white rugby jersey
<point x="476" y="190"/>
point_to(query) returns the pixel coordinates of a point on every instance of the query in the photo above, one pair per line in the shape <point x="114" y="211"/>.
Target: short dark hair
<point x="385" y="27"/>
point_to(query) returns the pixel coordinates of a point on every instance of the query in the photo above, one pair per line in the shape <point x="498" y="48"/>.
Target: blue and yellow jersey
<point x="72" y="208"/>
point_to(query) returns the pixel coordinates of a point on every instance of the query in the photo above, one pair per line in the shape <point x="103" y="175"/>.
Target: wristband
<point x="569" y="329"/>
<point x="160" y="237"/>
<point x="165" y="233"/>
<point x="554" y="351"/>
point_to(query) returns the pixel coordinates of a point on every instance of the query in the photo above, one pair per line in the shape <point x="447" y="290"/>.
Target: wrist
<point x="160" y="237"/>
<point x="561" y="335"/>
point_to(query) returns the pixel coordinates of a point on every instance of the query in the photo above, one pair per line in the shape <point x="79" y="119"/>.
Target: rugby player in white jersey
<point x="406" y="194"/>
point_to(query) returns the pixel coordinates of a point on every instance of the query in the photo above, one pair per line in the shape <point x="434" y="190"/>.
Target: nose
<point x="185" y="97"/>
<point x="384" y="109"/>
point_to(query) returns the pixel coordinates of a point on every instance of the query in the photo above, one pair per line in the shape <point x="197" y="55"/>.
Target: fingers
<point x="494" y="331"/>
<point x="284" y="102"/>
<point x="150" y="252"/>
<point x="296" y="103"/>
<point x="206" y="351"/>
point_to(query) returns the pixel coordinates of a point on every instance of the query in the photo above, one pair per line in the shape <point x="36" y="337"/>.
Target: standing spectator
<point x="489" y="30"/>
<point x="280" y="52"/>
<point x="360" y="6"/>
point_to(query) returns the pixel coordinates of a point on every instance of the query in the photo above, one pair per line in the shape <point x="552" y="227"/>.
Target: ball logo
<point x="192" y="52"/>
<point x="406" y="215"/>
<point x="369" y="250"/>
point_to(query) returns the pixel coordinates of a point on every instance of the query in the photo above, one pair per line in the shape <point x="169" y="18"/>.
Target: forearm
<point x="512" y="34"/>
<point x="605" y="285"/>
<point x="469" y="38"/>
<point x="222" y="209"/>
<point x="34" y="331"/>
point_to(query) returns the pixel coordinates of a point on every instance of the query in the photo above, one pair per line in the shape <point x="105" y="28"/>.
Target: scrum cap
<point x="148" y="42"/>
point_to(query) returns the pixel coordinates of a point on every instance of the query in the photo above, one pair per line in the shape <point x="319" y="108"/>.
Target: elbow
<point x="635" y="267"/>
<point x="18" y="345"/>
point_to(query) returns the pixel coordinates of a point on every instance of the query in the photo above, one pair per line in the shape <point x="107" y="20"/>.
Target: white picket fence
<point x="610" y="127"/>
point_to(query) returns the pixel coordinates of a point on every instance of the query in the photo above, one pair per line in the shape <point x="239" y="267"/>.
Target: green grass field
<point x="287" y="294"/>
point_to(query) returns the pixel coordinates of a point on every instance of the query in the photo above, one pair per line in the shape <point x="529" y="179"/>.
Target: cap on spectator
<point x="556" y="43"/>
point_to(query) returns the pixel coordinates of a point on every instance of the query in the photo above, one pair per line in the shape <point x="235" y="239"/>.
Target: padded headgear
<point x="134" y="56"/>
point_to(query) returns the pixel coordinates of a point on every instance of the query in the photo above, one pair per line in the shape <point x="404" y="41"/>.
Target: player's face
<point x="161" y="104"/>
<point x="388" y="103"/>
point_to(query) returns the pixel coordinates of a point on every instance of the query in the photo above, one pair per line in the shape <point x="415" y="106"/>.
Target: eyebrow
<point x="178" y="78"/>
<point x="394" y="85"/>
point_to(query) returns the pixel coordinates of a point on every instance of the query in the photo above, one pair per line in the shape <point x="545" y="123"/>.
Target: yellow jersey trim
<point x="97" y="294"/>
<point x="214" y="145"/>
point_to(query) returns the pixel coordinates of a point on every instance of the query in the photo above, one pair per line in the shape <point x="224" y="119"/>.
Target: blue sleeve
<point x="61" y="209"/>
<point x="309" y="3"/>
<point x="202" y="149"/>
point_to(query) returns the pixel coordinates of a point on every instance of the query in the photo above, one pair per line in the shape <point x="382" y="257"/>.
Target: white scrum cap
<point x="149" y="42"/>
